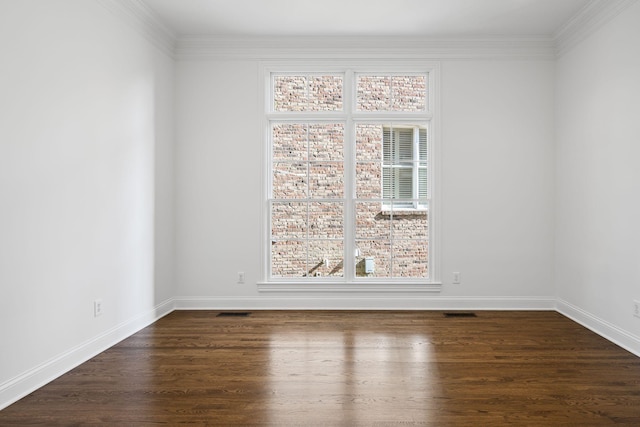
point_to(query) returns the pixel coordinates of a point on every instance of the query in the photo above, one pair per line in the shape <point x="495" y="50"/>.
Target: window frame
<point x="351" y="116"/>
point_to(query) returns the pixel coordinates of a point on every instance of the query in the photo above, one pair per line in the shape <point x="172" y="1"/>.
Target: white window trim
<point x="349" y="282"/>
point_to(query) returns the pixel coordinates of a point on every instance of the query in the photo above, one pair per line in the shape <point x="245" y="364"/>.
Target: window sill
<point x="404" y="212"/>
<point x="333" y="287"/>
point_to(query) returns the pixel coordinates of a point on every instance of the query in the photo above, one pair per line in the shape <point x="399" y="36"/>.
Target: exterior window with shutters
<point x="350" y="177"/>
<point x="404" y="171"/>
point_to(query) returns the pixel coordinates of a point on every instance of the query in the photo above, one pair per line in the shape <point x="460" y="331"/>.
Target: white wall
<point x="218" y="178"/>
<point x="598" y="179"/>
<point x="85" y="135"/>
<point x="497" y="139"/>
<point x="498" y="177"/>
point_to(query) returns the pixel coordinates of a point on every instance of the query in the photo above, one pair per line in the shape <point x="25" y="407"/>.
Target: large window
<point x="349" y="193"/>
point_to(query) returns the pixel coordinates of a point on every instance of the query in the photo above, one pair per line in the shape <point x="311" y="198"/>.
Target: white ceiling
<point x="412" y="18"/>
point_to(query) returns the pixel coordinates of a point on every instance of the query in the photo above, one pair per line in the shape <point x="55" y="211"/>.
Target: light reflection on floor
<point x="351" y="377"/>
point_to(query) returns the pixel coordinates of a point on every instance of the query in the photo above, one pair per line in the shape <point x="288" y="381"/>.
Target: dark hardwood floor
<point x="347" y="368"/>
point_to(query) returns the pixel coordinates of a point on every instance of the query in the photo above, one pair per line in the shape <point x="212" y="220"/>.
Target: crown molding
<point x="144" y="20"/>
<point x="587" y="21"/>
<point x="202" y="47"/>
<point x="219" y="47"/>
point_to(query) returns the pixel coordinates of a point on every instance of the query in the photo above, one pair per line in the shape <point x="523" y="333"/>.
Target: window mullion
<point x="306" y="268"/>
<point x="415" y="194"/>
<point x="349" y="178"/>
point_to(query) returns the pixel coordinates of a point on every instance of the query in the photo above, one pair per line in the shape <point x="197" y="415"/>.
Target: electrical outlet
<point x="240" y="277"/>
<point x="97" y="308"/>
<point x="636" y="308"/>
<point x="456" y="277"/>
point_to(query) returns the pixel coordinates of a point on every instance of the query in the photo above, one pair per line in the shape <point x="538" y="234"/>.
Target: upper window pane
<point x="369" y="138"/>
<point x="290" y="141"/>
<point x="326" y="141"/>
<point x="406" y="93"/>
<point x="307" y="92"/>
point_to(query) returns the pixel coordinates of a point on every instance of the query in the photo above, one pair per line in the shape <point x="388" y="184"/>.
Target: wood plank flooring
<point x="347" y="368"/>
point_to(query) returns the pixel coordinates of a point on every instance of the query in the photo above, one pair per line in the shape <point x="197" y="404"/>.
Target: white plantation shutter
<point x="397" y="183"/>
<point x="387" y="162"/>
<point x="387" y="183"/>
<point x="387" y="151"/>
<point x="404" y="164"/>
<point x="422" y="177"/>
<point x="422" y="168"/>
<point x="402" y="143"/>
<point x="405" y="183"/>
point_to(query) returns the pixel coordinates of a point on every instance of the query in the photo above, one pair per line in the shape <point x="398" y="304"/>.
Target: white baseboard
<point x="361" y="302"/>
<point x="601" y="327"/>
<point x="16" y="388"/>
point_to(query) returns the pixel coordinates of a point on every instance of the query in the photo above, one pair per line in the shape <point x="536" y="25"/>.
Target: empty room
<point x="304" y="213"/>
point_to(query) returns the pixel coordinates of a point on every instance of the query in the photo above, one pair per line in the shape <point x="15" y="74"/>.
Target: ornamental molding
<point x="144" y="20"/>
<point x="587" y="21"/>
<point x="216" y="47"/>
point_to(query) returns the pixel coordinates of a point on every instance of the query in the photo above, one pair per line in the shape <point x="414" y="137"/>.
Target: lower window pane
<point x="289" y="220"/>
<point x="326" y="258"/>
<point x="374" y="258"/>
<point x="410" y="258"/>
<point x="371" y="222"/>
<point x="326" y="220"/>
<point x="409" y="225"/>
<point x="288" y="259"/>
